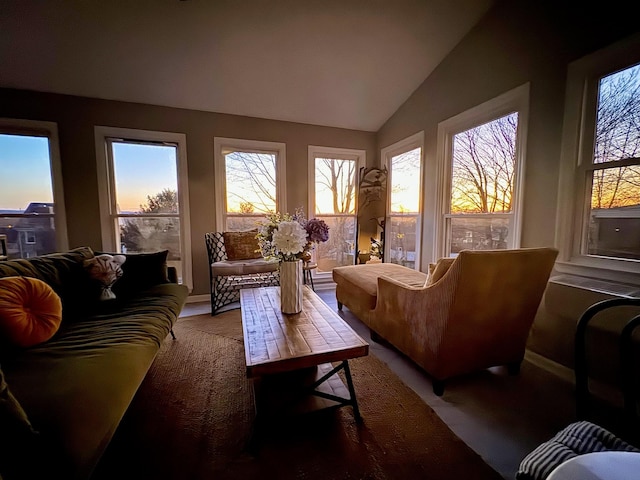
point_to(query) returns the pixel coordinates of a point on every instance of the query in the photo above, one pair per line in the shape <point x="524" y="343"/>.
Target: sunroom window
<point x="332" y="188"/>
<point x="32" y="215"/>
<point x="613" y="175"/>
<point x="598" y="227"/>
<point x="404" y="213"/>
<point x="481" y="153"/>
<point x="144" y="200"/>
<point x="250" y="182"/>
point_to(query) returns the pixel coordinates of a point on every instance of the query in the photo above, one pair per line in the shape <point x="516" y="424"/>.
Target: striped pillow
<point x="576" y="439"/>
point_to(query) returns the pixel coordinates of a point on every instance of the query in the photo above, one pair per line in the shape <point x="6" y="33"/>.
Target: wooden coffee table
<point x="290" y="357"/>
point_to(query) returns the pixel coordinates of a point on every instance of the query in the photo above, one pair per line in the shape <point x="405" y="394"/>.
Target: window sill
<point x="608" y="271"/>
<point x="607" y="287"/>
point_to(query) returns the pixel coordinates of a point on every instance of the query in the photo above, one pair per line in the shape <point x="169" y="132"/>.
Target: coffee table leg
<point x="252" y="445"/>
<point x="352" y="392"/>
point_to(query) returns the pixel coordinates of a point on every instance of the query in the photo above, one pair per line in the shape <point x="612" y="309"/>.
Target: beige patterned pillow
<point x="105" y="269"/>
<point x="241" y="245"/>
<point x="437" y="270"/>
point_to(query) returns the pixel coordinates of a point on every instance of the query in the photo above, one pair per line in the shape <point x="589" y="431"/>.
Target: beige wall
<point x="519" y="42"/>
<point x="77" y="116"/>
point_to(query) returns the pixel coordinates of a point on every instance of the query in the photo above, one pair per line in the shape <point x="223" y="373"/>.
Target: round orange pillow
<point x="30" y="311"/>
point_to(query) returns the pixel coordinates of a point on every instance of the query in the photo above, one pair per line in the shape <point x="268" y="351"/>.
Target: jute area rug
<point x="192" y="419"/>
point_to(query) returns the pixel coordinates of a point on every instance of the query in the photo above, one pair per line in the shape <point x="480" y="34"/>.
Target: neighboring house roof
<point x="632" y="211"/>
<point x="35" y="222"/>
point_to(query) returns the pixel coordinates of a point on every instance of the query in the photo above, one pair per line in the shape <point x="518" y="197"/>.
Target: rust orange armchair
<point x="476" y="314"/>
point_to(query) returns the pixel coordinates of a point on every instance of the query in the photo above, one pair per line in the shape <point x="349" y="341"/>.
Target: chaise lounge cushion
<point x="361" y="283"/>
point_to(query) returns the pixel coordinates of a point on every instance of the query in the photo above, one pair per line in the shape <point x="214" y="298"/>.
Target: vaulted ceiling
<point x="340" y="63"/>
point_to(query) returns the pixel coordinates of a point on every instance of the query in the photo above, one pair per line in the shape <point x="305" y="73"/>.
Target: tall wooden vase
<point x="291" y="286"/>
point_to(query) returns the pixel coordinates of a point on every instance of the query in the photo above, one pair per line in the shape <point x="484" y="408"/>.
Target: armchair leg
<point x="514" y="368"/>
<point x="375" y="337"/>
<point x="340" y="306"/>
<point x="438" y="387"/>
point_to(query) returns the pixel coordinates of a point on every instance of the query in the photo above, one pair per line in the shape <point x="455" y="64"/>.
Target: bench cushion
<point x="243" y="267"/>
<point x="357" y="285"/>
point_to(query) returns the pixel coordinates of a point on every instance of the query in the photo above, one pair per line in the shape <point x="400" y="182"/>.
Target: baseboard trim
<point x="597" y="388"/>
<point x="198" y="298"/>
<point x="550" y="366"/>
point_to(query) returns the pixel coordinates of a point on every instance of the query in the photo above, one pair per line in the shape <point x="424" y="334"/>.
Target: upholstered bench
<point x="235" y="262"/>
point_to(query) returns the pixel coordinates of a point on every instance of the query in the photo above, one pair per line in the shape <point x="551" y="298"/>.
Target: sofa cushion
<point x="30" y="311"/>
<point x="17" y="435"/>
<point x="241" y="245"/>
<point x="105" y="270"/>
<point x="77" y="386"/>
<point x="140" y="271"/>
<point x="13" y="418"/>
<point x="63" y="272"/>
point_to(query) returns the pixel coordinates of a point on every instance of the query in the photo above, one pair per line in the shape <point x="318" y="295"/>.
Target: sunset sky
<point x="25" y="177"/>
<point x="25" y="174"/>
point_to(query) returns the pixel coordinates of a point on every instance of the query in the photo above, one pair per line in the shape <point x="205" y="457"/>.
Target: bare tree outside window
<point x="401" y="230"/>
<point x="335" y="186"/>
<point x="153" y="233"/>
<point x="614" y="228"/>
<point x="146" y="208"/>
<point x="250" y="188"/>
<point x="482" y="185"/>
<point x="484" y="166"/>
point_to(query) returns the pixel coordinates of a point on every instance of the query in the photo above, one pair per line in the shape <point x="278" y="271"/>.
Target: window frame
<point x="221" y="144"/>
<point x="314" y="151"/>
<point x="40" y="128"/>
<point x="386" y="154"/>
<point x="515" y="100"/>
<point x="106" y="186"/>
<point x="578" y="137"/>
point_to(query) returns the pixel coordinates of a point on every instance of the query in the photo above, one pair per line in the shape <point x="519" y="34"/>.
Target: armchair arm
<point x="413" y="318"/>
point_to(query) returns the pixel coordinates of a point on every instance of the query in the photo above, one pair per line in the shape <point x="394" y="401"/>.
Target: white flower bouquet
<point x="288" y="237"/>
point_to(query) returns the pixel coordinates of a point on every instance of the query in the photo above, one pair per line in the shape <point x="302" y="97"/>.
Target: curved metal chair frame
<point x="626" y="356"/>
<point x="225" y="289"/>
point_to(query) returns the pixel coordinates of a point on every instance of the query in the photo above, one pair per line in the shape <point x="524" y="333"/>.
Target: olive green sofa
<point x="76" y="386"/>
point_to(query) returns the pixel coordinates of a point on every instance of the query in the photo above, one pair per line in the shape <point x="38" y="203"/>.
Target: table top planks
<point x="277" y="342"/>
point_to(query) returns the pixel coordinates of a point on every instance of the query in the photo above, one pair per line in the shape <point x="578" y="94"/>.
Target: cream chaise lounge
<point x="470" y="313"/>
